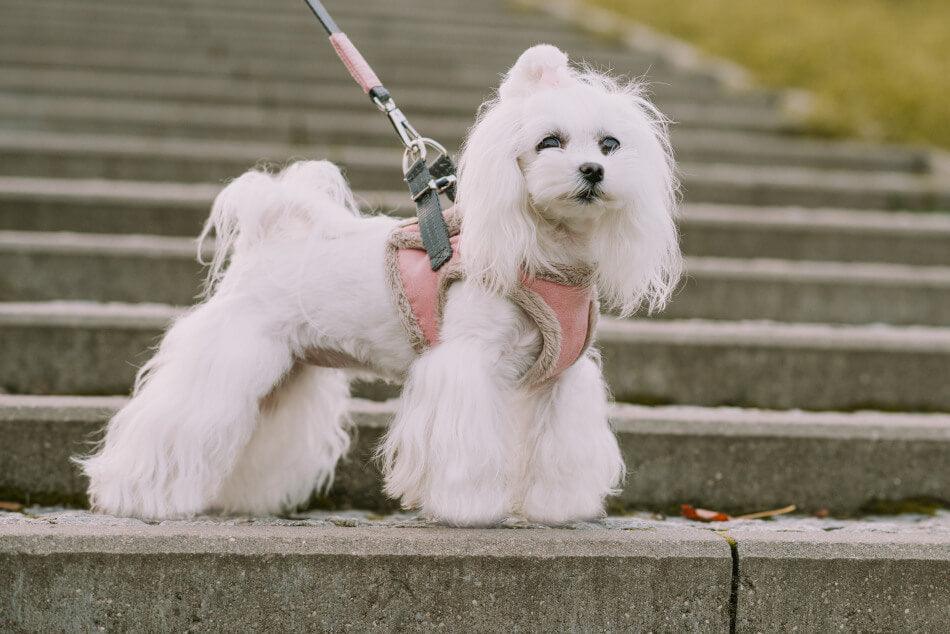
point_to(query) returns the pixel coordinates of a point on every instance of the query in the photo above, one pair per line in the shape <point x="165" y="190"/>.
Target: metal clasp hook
<point x="408" y="134"/>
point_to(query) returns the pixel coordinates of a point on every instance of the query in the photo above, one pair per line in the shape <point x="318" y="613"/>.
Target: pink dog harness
<point x="564" y="307"/>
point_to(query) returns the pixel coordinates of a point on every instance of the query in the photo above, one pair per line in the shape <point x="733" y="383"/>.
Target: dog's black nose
<point x="593" y="173"/>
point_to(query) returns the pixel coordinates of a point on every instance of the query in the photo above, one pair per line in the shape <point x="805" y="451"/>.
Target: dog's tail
<point x="259" y="205"/>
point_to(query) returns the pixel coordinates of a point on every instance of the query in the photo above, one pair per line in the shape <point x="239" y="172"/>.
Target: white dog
<point x="565" y="170"/>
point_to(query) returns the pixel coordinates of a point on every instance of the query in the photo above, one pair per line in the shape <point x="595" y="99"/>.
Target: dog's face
<point x="579" y="153"/>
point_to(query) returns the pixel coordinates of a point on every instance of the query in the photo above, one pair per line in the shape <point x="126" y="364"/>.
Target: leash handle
<point x="355" y="63"/>
<point x="359" y="68"/>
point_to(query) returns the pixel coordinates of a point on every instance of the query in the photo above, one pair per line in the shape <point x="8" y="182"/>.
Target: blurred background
<point x="815" y="228"/>
<point x="874" y="68"/>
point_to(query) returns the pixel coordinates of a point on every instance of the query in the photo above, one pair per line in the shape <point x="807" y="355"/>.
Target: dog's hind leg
<point x="301" y="434"/>
<point x="168" y="452"/>
<point x="572" y="459"/>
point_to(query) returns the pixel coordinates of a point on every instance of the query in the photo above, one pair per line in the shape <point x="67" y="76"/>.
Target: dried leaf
<point x="702" y="515"/>
<point x="764" y="514"/>
<point x="14" y="507"/>
<point x="822" y="513"/>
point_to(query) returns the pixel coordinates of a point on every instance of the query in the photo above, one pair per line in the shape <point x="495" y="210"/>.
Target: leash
<point x="426" y="181"/>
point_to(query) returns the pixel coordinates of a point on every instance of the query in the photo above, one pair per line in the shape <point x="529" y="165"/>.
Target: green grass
<point x="877" y="69"/>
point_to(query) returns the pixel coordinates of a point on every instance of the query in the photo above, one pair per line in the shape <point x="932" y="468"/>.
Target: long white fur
<point x="226" y="417"/>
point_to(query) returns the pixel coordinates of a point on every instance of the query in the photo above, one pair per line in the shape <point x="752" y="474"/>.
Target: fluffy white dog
<point x="566" y="168"/>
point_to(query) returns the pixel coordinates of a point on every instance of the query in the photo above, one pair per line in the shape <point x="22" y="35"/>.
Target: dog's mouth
<point x="589" y="195"/>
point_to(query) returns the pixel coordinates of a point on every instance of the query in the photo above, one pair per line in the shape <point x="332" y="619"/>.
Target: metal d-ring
<point x="417" y="148"/>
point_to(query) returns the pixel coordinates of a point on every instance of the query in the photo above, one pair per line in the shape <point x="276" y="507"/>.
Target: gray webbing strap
<point x="441" y="168"/>
<point x="425" y="192"/>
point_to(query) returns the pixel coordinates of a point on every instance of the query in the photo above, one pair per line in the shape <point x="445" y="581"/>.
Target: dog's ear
<point x="498" y="237"/>
<point x="540" y="67"/>
<point x="639" y="258"/>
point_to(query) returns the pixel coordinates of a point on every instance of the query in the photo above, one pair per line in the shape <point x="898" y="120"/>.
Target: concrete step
<point x="343" y="573"/>
<point x="273" y="92"/>
<point x="41" y="266"/>
<point x="792" y="233"/>
<point x="816" y="292"/>
<point x="312" y="572"/>
<point x="297" y="57"/>
<point x="185" y="160"/>
<point x="842" y="463"/>
<point x="232" y="35"/>
<point x="179" y="160"/>
<point x="93" y="349"/>
<point x="356" y="121"/>
<point x="381" y="32"/>
<point x="701" y="134"/>
<point x="98" y="206"/>
<point x="407" y="41"/>
<point x="292" y="18"/>
<point x="796" y="186"/>
<point x="310" y="66"/>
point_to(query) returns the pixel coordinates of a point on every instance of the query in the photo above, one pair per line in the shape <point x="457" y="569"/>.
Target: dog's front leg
<point x="573" y="461"/>
<point x="448" y="449"/>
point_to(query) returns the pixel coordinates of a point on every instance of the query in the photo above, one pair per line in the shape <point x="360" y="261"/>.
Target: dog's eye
<point x="608" y="144"/>
<point x="549" y="142"/>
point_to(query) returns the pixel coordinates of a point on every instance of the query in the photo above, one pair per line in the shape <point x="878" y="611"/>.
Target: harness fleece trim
<point x="549" y="363"/>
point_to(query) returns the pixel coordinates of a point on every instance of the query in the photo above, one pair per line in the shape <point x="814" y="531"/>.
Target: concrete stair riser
<point x="31" y="204"/>
<point x="133" y="158"/>
<point x="312" y="573"/>
<point x="751" y="364"/>
<point x="352" y="119"/>
<point x="298" y="20"/>
<point x="837" y="462"/>
<point x="396" y="41"/>
<point x="274" y="92"/>
<point x="372" y="35"/>
<point x="862" y="582"/>
<point x="90" y="349"/>
<point x="368" y="579"/>
<point x="701" y="134"/>
<point x="692" y="145"/>
<point x="462" y="71"/>
<point x="791" y="186"/>
<point x="707" y="229"/>
<point x="114" y="268"/>
<point x="817" y="234"/>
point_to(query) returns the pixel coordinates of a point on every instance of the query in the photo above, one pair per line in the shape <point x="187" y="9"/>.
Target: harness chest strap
<point x="564" y="308"/>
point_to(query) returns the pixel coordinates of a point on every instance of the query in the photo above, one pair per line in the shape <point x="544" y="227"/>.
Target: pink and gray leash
<point x="426" y="181"/>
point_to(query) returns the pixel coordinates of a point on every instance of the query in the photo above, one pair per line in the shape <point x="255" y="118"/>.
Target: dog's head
<point x="581" y="153"/>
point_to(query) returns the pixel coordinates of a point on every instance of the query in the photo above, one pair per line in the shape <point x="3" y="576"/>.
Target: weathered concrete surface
<point x="842" y="581"/>
<point x="674" y="455"/>
<point x="74" y="570"/>
<point x="41" y="266"/>
<point x="278" y="92"/>
<point x="121" y="207"/>
<point x="94" y="349"/>
<point x="99" y="206"/>
<point x="838" y="235"/>
<point x="702" y="131"/>
<point x="777" y="366"/>
<point x="239" y="577"/>
<point x="135" y="158"/>
<point x="812" y="292"/>
<point x="747" y="460"/>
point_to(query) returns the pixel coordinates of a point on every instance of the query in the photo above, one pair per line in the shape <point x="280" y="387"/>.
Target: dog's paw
<point x="543" y="504"/>
<point x="466" y="506"/>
